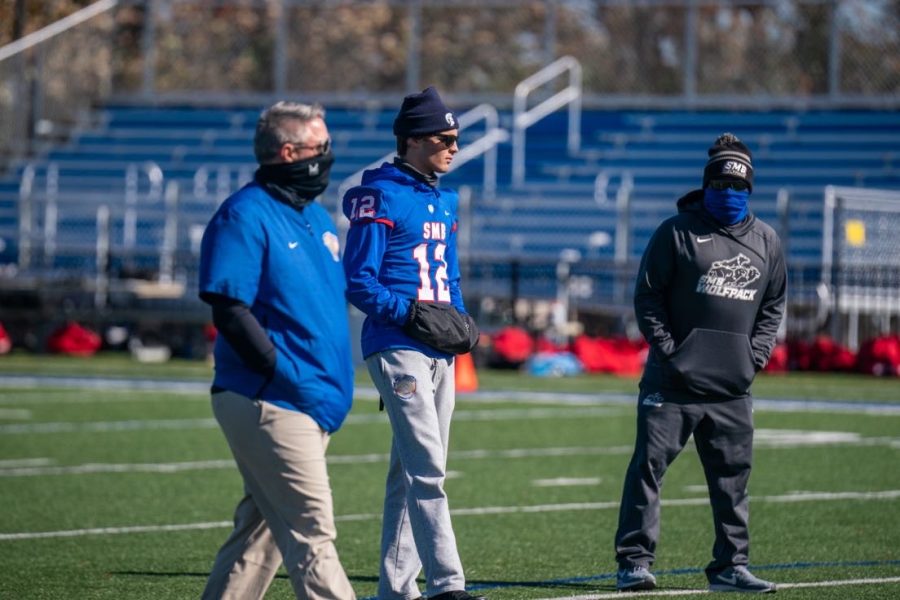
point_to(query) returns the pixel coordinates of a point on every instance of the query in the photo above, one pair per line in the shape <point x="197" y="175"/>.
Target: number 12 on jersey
<point x="427" y="291"/>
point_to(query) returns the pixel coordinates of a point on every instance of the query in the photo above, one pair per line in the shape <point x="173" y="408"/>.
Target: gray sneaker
<point x="633" y="579"/>
<point x="739" y="579"/>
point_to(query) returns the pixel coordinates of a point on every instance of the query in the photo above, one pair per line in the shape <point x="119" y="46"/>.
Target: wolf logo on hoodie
<point x="729" y="278"/>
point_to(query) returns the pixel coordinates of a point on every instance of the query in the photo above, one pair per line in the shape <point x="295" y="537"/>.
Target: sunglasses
<point x="446" y="139"/>
<point x="320" y="149"/>
<point x="724" y="184"/>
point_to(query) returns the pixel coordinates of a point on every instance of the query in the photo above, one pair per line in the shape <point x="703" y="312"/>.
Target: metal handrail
<point x="170" y="233"/>
<point x="486" y="145"/>
<point x="101" y="280"/>
<point x="26" y="218"/>
<point x="51" y="213"/>
<point x="623" y="223"/>
<point x="523" y="118"/>
<point x="155" y="175"/>
<point x="222" y="173"/>
<point x="54" y="29"/>
<point x="622" y="205"/>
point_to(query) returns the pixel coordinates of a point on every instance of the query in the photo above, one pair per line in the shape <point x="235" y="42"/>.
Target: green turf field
<point x="109" y="492"/>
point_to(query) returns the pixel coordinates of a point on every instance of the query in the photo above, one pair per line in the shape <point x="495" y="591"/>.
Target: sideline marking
<point x="780" y="586"/>
<point x="565" y="481"/>
<point x="11" y="463"/>
<point x="475" y="511"/>
<point x="210" y="423"/>
<point x="43" y="466"/>
<point x="368" y="392"/>
<point x="21" y="414"/>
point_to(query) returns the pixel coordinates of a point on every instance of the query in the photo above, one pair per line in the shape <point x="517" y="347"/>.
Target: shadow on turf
<point x="477" y="583"/>
<point x="164" y="574"/>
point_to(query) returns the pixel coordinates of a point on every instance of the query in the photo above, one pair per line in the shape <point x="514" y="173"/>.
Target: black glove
<point x="442" y="327"/>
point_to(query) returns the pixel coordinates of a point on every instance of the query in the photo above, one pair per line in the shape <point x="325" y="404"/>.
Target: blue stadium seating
<point x="208" y="152"/>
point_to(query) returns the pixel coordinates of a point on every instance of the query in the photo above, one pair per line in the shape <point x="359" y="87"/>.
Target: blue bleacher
<point x="663" y="152"/>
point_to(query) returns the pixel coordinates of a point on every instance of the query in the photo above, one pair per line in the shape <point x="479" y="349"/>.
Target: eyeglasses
<point x="320" y="149"/>
<point x="446" y="139"/>
<point x="724" y="184"/>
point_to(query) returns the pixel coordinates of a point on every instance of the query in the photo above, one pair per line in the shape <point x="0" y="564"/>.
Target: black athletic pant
<point x="723" y="435"/>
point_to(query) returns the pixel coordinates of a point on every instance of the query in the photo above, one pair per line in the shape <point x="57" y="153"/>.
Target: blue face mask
<point x="728" y="206"/>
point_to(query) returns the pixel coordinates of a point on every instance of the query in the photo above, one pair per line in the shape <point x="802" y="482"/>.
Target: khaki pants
<point x="286" y="514"/>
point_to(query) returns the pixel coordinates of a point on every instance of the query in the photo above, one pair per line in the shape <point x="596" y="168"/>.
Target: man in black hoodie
<point x="709" y="299"/>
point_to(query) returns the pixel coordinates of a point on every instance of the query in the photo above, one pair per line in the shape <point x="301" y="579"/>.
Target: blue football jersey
<point x="401" y="247"/>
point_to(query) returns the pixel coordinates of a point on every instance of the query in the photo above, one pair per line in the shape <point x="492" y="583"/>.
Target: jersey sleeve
<point x="370" y="228"/>
<point x="366" y="205"/>
<point x="231" y="256"/>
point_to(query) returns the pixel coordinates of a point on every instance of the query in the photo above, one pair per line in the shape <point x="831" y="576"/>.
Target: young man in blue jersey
<point x="270" y="268"/>
<point x="403" y="273"/>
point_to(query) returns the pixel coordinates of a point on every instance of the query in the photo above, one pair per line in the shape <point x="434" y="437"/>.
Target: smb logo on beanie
<point x="733" y="167"/>
<point x="729" y="158"/>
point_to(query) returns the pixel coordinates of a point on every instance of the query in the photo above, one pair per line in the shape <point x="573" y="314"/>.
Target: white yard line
<point x="38" y="467"/>
<point x="15" y="414"/>
<point x="87" y="468"/>
<point x="565" y="481"/>
<point x="10" y="463"/>
<point x="103" y="383"/>
<point x="518" y="396"/>
<point x="508" y="414"/>
<point x="108" y="426"/>
<point x="461" y="512"/>
<point x="43" y="466"/>
<point x="781" y="586"/>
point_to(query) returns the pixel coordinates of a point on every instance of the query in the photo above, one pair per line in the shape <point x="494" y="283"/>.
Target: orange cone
<point x="466" y="378"/>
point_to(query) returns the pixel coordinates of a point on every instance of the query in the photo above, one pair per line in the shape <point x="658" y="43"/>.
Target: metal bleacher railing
<point x="524" y="117"/>
<point x="133" y="227"/>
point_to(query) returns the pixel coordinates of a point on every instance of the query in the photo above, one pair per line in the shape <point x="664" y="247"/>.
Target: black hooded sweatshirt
<point x="709" y="299"/>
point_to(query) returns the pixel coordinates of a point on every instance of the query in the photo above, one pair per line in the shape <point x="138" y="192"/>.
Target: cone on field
<point x="466" y="378"/>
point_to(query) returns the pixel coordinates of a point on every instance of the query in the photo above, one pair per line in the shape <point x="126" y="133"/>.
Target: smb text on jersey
<point x="401" y="247"/>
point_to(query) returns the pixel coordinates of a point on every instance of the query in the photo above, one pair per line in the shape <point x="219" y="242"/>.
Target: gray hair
<point x="277" y="126"/>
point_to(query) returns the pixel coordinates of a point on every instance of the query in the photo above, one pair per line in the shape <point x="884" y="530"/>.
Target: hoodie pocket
<point x="715" y="363"/>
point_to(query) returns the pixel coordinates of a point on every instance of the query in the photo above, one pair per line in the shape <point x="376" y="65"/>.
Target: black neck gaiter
<point x="401" y="164"/>
<point x="296" y="183"/>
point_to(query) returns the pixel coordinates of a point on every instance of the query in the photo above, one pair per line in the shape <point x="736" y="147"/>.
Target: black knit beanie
<point x="423" y="114"/>
<point x="729" y="158"/>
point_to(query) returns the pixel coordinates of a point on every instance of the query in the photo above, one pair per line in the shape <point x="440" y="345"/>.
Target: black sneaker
<point x="456" y="595"/>
<point x="739" y="579"/>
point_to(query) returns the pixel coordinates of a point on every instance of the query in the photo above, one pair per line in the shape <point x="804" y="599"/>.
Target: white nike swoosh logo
<point x="729" y="580"/>
<point x="701" y="240"/>
<point x="292" y="245"/>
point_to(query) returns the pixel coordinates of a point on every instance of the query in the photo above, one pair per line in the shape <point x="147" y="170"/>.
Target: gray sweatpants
<point x="723" y="435"/>
<point x="419" y="395"/>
